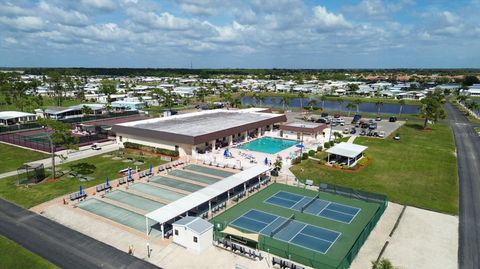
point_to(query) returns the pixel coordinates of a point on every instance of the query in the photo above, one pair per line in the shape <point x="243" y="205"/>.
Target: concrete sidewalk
<point x="82" y="153"/>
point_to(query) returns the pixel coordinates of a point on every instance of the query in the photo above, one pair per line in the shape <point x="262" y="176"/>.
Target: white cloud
<point x="325" y="19"/>
<point x="23" y="23"/>
<point x="107" y="5"/>
<point x="61" y="15"/>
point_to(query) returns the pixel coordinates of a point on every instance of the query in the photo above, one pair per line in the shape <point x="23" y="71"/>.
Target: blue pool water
<point x="268" y="145"/>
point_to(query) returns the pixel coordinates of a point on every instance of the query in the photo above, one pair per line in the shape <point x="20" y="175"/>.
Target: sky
<point x="240" y="33"/>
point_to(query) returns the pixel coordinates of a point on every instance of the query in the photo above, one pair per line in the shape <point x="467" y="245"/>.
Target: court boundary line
<point x="353" y="216"/>
<point x="288" y="242"/>
<point x="269" y="224"/>
<point x="159" y="178"/>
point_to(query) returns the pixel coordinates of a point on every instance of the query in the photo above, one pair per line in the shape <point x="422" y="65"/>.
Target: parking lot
<point x="383" y="129"/>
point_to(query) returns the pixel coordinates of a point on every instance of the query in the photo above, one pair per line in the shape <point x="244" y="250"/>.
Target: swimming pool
<point x="269" y="145"/>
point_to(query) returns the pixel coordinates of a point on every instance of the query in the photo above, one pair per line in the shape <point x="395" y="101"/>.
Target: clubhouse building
<point x="199" y="132"/>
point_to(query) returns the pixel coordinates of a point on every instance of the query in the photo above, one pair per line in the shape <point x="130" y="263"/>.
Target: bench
<point x="77" y="195"/>
<point x="103" y="187"/>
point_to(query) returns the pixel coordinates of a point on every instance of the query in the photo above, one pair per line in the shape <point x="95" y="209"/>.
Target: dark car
<point x="364" y="125"/>
<point x="356" y="118"/>
<point x="353" y="131"/>
<point x="336" y="116"/>
<point x="372" y="126"/>
<point x="363" y="132"/>
<point x="392" y="119"/>
<point x="324" y="114"/>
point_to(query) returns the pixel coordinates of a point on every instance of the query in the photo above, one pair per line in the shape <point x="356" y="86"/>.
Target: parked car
<point x="95" y="147"/>
<point x="381" y="134"/>
<point x="334" y="123"/>
<point x="363" y="132"/>
<point x="378" y="118"/>
<point x="342" y="123"/>
<point x="353" y="131"/>
<point x="336" y="116"/>
<point x="392" y="119"/>
<point x="324" y="114"/>
<point x="341" y="120"/>
<point x="323" y="120"/>
<point x="397" y="136"/>
<point x="356" y="118"/>
<point x="372" y="126"/>
<point x="364" y="125"/>
<point x="370" y="121"/>
<point x="346" y="130"/>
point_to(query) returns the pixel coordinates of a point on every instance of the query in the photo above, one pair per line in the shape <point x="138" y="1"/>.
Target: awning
<point x="235" y="232"/>
<point x="347" y="149"/>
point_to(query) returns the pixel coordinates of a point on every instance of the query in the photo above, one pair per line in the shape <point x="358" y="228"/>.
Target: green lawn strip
<point x="15" y="256"/>
<point x="340" y="248"/>
<point x="419" y="170"/>
<point x="13" y="157"/>
<point x="45" y="191"/>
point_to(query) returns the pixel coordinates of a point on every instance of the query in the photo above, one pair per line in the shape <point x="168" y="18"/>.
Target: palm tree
<point x="285" y="100"/>
<point x="350" y="106"/>
<point x="461" y="98"/>
<point x="378" y="104"/>
<point x="382" y="264"/>
<point x="86" y="110"/>
<point x="401" y="103"/>
<point x="301" y="95"/>
<point x="236" y="102"/>
<point x="311" y="103"/>
<point x="357" y="102"/>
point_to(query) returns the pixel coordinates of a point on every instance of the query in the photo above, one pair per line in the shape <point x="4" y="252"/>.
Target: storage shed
<point x="193" y="233"/>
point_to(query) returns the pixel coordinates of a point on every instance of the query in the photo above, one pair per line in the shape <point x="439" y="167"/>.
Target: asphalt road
<point x="60" y="245"/>
<point x="468" y="155"/>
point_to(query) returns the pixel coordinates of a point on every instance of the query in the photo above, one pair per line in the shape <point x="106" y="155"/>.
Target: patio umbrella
<point x="81" y="189"/>
<point x="107" y="183"/>
<point x="225" y="153"/>
<point x="266" y="161"/>
<point x="129" y="173"/>
<point x="299" y="146"/>
<point x="151" y="168"/>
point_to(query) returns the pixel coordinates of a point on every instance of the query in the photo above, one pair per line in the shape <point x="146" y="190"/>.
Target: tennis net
<point x="309" y="203"/>
<point x="283" y="225"/>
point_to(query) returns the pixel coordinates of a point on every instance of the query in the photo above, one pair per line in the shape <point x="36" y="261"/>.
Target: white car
<point x="381" y="134"/>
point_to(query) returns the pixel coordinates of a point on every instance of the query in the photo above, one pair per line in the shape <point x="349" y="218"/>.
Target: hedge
<point x="311" y="153"/>
<point x="167" y="152"/>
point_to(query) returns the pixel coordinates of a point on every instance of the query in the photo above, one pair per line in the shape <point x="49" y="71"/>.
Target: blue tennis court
<point x="288" y="230"/>
<point x="314" y="206"/>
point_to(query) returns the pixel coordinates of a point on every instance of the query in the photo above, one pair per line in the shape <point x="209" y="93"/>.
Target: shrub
<point x="332" y="143"/>
<point x="311" y="152"/>
<point x="304" y="156"/>
<point x="296" y="161"/>
<point x="345" y="166"/>
<point x="322" y="162"/>
<point x="363" y="161"/>
<point x="319" y="148"/>
<point x="326" y="145"/>
<point x="167" y="152"/>
<point x="336" y="165"/>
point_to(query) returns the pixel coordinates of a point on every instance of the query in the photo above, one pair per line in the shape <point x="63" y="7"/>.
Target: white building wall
<point x="185" y="239"/>
<point x="183" y="149"/>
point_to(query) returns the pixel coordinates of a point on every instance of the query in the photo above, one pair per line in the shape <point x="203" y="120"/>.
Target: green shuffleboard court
<point x="192" y="176"/>
<point x="134" y="200"/>
<point x="317" y="240"/>
<point x="176" y="183"/>
<point x="121" y="215"/>
<point x="157" y="192"/>
<point x="208" y="170"/>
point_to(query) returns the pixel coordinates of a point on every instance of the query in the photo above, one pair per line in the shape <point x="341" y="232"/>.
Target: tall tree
<point x="60" y="136"/>
<point x="285" y="100"/>
<point x="86" y="111"/>
<point x="382" y="264"/>
<point x="300" y="96"/>
<point x="55" y="83"/>
<point x="311" y="103"/>
<point x="350" y="106"/>
<point x="352" y="87"/>
<point x="108" y="87"/>
<point x="323" y="98"/>
<point x="379" y="105"/>
<point x="432" y="107"/>
<point x="357" y="103"/>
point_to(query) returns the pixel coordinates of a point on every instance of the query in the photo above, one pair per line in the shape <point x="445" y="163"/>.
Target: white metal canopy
<point x="347" y="149"/>
<point x="186" y="203"/>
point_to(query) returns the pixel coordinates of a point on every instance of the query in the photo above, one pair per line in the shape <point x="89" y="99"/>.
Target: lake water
<point x="274" y="101"/>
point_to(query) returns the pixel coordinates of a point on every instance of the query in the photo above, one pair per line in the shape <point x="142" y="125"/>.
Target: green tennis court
<point x="192" y="176"/>
<point x="303" y="237"/>
<point x="134" y="200"/>
<point x="117" y="214"/>
<point x="170" y="182"/>
<point x="208" y="170"/>
<point x="157" y="192"/>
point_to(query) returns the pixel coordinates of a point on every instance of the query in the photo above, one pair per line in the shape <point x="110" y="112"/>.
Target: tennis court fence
<point x="312" y="258"/>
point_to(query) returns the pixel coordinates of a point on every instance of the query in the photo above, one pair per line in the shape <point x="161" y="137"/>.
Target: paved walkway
<point x="60" y="245"/>
<point x="351" y="139"/>
<point x="82" y="153"/>
<point x="468" y="155"/>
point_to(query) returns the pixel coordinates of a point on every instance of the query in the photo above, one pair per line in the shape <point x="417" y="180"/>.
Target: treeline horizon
<point x="209" y="72"/>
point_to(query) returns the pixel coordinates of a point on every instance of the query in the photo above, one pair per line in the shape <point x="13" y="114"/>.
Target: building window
<point x="176" y="232"/>
<point x="195" y="239"/>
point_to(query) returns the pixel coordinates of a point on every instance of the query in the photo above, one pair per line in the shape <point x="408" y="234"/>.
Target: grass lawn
<point x="419" y="170"/>
<point x="15" y="256"/>
<point x="45" y="191"/>
<point x="13" y="157"/>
